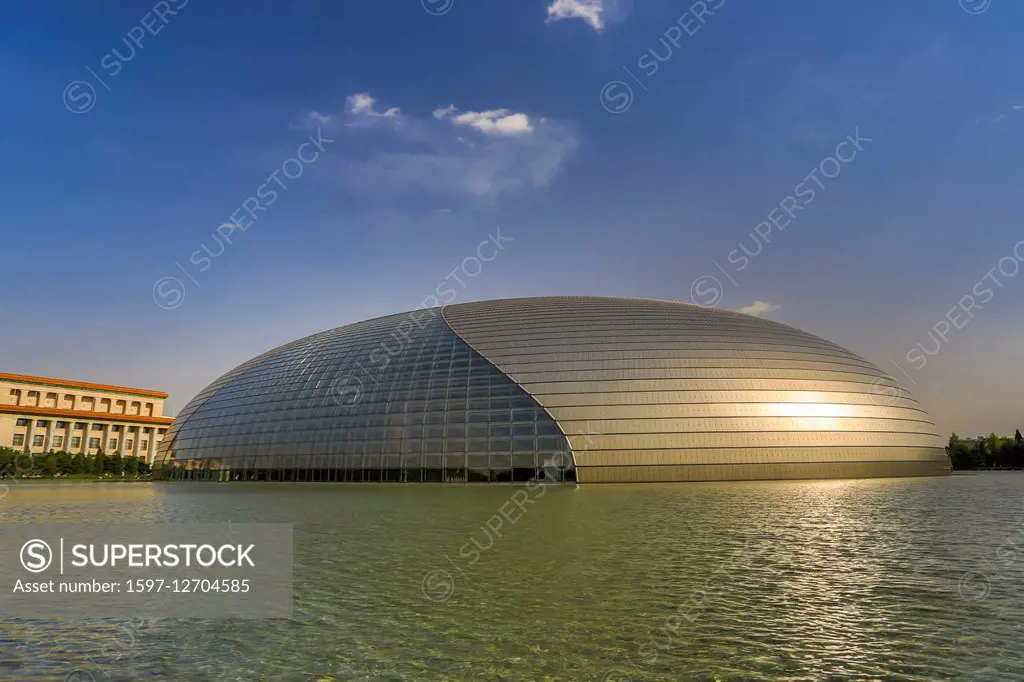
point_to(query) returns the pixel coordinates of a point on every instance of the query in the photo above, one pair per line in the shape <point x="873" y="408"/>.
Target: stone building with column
<point x="39" y="414"/>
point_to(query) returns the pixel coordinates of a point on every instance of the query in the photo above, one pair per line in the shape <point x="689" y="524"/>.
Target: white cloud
<point x="758" y="308"/>
<point x="452" y="153"/>
<point x="589" y="11"/>
<point x="316" y="118"/>
<point x="493" y="122"/>
<point x="441" y="113"/>
<point x="361" y="104"/>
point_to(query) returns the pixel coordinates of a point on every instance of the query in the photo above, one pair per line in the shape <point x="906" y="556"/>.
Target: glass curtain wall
<point x="396" y="399"/>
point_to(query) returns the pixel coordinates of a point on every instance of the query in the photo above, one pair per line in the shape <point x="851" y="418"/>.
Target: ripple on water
<point x="802" y="580"/>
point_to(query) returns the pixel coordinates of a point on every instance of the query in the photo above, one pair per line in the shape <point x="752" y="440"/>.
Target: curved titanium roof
<point x="635" y="390"/>
<point x="636" y="383"/>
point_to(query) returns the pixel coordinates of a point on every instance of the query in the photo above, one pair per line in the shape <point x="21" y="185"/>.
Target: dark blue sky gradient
<point x="99" y="206"/>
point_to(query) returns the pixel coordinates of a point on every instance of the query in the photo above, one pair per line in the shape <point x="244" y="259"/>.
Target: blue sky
<point x="134" y="132"/>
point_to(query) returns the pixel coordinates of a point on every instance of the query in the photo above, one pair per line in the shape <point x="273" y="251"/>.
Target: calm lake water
<point x="900" y="579"/>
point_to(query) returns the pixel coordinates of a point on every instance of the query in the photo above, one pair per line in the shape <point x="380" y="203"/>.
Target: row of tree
<point x="990" y="452"/>
<point x="54" y="464"/>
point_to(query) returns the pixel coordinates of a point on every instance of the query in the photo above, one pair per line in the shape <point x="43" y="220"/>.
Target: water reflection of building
<point x="565" y="388"/>
<point x="39" y="414"/>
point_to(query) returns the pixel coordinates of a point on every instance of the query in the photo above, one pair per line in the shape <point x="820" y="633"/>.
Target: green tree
<point x="79" y="464"/>
<point x="8" y="462"/>
<point x="48" y="465"/>
<point x="131" y="466"/>
<point x="116" y="464"/>
<point x="987" y="451"/>
<point x="961" y="454"/>
<point x="1017" y="451"/>
<point x="64" y="462"/>
<point x="24" y="464"/>
<point x="99" y="463"/>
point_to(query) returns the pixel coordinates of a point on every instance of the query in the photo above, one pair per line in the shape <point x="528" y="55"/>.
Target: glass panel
<point x="361" y="403"/>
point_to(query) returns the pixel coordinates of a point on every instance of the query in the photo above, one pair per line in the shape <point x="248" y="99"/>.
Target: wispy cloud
<point x="590" y="11"/>
<point x="1015" y="110"/>
<point x="455" y="153"/>
<point x="758" y="308"/>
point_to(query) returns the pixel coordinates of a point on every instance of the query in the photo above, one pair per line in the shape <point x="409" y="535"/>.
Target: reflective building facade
<point x="563" y="389"/>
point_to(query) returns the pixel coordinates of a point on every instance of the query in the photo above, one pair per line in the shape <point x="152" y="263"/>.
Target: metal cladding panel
<point x="821" y="399"/>
<point x="702" y="456"/>
<point x="753" y="472"/>
<point x="643" y="387"/>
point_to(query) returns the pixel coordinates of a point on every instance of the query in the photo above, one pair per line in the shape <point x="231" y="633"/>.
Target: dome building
<point x="587" y="389"/>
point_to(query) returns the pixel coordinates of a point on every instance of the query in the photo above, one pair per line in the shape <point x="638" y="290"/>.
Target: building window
<point x="19" y="440"/>
<point x="22" y="422"/>
<point x="76" y="441"/>
<point x="61" y="425"/>
<point x="112" y="444"/>
<point x="94" y="443"/>
<point x="58" y="441"/>
<point x="37" y="441"/>
<point x="79" y="426"/>
<point x="40" y="422"/>
<point x="162" y="430"/>
<point x="115" y="428"/>
<point x="97" y="427"/>
<point x="129" y="444"/>
<point x="145" y="445"/>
